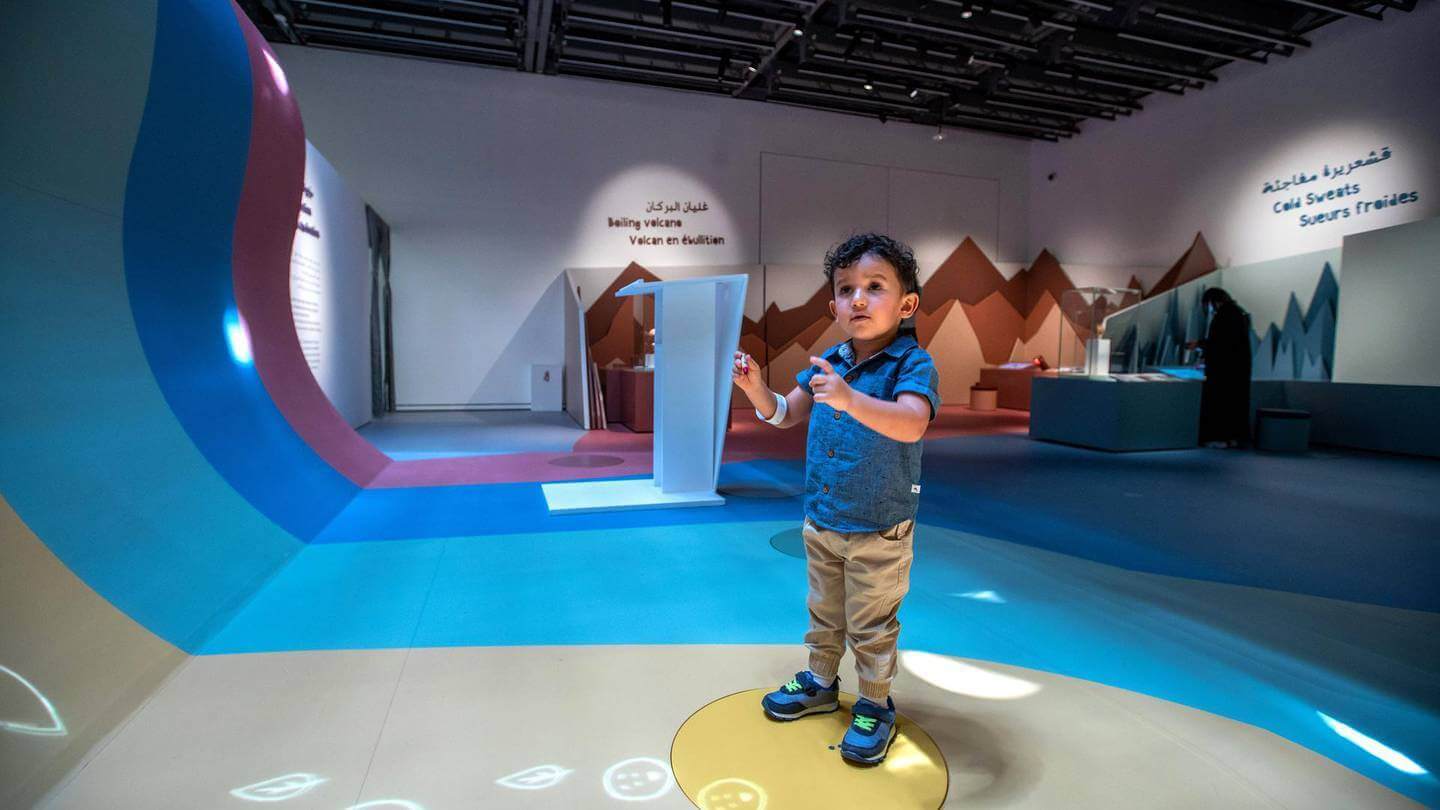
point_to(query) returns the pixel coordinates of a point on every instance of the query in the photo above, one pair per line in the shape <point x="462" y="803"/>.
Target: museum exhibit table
<point x="630" y="397"/>
<point x="1011" y="383"/>
<point x="1121" y="412"/>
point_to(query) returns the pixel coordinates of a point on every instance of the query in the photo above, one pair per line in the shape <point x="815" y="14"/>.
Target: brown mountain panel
<point x="600" y="317"/>
<point x="1042" y="336"/>
<point x="812" y="333"/>
<point x="956" y="351"/>
<point x="619" y="344"/>
<point x="781" y="326"/>
<point x="1016" y="289"/>
<point x="1196" y="262"/>
<point x="1038" y="314"/>
<point x="928" y="324"/>
<point x="996" y="326"/>
<point x="1044" y="275"/>
<point x="966" y="275"/>
<point x="1134" y="298"/>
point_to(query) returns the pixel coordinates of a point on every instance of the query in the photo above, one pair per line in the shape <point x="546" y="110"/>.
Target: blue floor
<point x="1345" y="525"/>
<point x="1203" y="577"/>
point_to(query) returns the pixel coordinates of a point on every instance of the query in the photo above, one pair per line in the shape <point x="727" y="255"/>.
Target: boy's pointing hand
<point x="829" y="387"/>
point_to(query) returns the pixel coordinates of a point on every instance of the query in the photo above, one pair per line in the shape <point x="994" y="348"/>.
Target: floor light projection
<point x="1374" y="747"/>
<point x="56" y="726"/>
<point x="732" y="793"/>
<point x="982" y="596"/>
<point x="237" y="337"/>
<point x="279" y="788"/>
<point x="639" y="779"/>
<point x="965" y="679"/>
<point x="387" y="804"/>
<point x="536" y="778"/>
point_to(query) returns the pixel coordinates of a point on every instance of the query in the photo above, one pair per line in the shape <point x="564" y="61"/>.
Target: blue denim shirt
<point x="855" y="479"/>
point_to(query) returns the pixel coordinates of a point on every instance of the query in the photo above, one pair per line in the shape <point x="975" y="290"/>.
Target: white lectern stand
<point x="697" y="329"/>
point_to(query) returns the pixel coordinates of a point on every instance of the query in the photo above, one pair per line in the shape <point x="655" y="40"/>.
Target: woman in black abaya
<point x="1225" y="397"/>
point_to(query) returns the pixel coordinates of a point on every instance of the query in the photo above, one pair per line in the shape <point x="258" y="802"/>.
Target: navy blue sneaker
<point x="872" y="730"/>
<point x="802" y="696"/>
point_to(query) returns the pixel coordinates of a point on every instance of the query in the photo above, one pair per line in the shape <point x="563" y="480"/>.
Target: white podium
<point x="697" y="330"/>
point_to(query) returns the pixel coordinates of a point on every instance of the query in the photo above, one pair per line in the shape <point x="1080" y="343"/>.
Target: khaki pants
<point x="856" y="583"/>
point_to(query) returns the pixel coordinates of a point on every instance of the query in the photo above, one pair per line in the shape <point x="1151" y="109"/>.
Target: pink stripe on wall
<point x="264" y="234"/>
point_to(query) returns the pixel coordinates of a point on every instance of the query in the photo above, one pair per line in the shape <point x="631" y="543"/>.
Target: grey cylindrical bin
<point x="1282" y="430"/>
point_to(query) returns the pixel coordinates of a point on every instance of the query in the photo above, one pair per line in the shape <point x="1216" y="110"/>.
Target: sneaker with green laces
<point x="801" y="696"/>
<point x="872" y="730"/>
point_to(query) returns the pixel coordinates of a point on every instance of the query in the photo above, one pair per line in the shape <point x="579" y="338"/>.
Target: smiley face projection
<point x="732" y="793"/>
<point x="638" y="780"/>
<point x="280" y="788"/>
<point x="536" y="778"/>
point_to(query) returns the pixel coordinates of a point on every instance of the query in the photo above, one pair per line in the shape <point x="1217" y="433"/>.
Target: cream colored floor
<point x="591" y="727"/>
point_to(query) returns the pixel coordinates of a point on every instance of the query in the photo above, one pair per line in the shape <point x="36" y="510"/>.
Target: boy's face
<point x="868" y="299"/>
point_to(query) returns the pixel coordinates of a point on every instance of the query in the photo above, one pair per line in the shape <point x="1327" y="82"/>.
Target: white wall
<point x="1136" y="190"/>
<point x="494" y="181"/>
<point x="1387" y="332"/>
<point x="330" y="288"/>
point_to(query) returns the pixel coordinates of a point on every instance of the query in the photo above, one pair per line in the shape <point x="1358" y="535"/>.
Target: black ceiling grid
<point x="1026" y="68"/>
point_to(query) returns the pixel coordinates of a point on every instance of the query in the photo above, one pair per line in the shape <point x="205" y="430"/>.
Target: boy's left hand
<point x="829" y="387"/>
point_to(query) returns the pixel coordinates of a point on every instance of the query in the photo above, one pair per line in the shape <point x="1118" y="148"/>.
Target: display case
<point x="1084" y="350"/>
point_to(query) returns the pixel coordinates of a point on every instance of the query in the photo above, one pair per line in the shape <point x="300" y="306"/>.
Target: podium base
<point x="729" y="754"/>
<point x="607" y="496"/>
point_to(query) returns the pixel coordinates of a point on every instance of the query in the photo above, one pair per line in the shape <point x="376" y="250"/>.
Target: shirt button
<point x="837" y="414"/>
<point x="830" y="453"/>
<point x="827" y="489"/>
<point x="849" y="378"/>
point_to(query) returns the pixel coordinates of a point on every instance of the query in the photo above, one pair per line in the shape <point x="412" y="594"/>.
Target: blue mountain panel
<point x="1263" y="364"/>
<point x="1292" y="337"/>
<point x="1312" y="368"/>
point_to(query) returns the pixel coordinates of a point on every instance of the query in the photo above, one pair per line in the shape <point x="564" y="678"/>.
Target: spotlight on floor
<point x="237" y="338"/>
<point x="956" y="676"/>
<point x="982" y="596"/>
<point x="1374" y="747"/>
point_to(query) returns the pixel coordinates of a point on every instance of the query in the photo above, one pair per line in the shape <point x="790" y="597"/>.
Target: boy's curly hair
<point x="880" y="246"/>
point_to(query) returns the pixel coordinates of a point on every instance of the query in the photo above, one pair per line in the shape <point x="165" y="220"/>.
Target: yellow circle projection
<point x="730" y="756"/>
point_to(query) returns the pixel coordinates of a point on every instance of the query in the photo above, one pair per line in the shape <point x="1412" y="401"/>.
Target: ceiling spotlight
<point x="966" y="12"/>
<point x="752" y="68"/>
<point x="869" y="85"/>
<point x="799" y="32"/>
<point x="914" y="91"/>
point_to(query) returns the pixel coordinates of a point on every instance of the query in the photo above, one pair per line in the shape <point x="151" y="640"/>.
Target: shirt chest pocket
<point x="878" y="383"/>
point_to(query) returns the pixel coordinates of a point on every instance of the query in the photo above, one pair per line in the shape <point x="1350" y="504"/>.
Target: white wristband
<point x="781" y="408"/>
